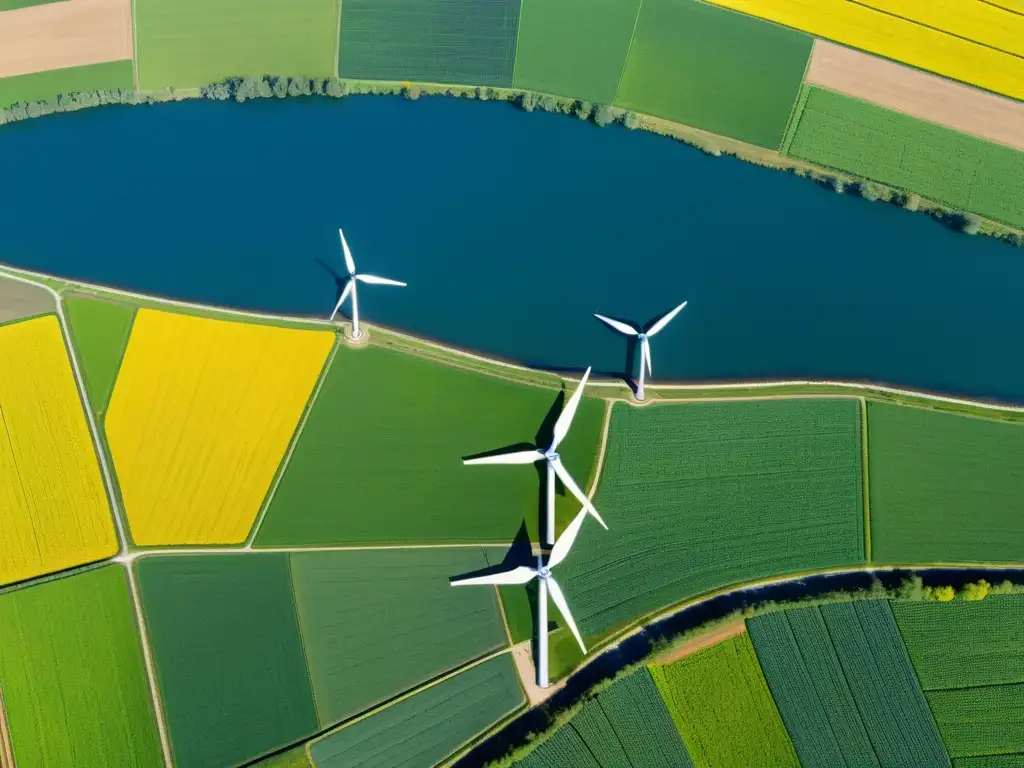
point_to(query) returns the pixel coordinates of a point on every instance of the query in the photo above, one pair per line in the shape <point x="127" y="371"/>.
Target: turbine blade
<point x="558" y="599"/>
<point x="348" y="254"/>
<point x="565" y="417"/>
<point x="518" y="457"/>
<point x="647" y="356"/>
<point x="619" y="326"/>
<point x="374" y="280"/>
<point x="665" y="319"/>
<point x="519" y="575"/>
<point x="576" y="491"/>
<point x="341" y="299"/>
<point x="564" y="543"/>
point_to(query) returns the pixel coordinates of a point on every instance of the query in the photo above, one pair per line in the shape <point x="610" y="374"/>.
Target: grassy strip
<point x="864" y="471"/>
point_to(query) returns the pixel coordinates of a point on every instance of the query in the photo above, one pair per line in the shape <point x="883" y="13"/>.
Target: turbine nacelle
<point x="643" y="338"/>
<point x="350" y="288"/>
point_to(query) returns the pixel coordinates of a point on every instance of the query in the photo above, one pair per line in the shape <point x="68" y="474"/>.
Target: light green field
<point x="574" y="48"/>
<point x="10" y="5"/>
<point x="99" y="332"/>
<point x="380" y="457"/>
<point x="74" y="685"/>
<point x="714" y="69"/>
<point x="944" y="488"/>
<point x="983" y="720"/>
<point x="191" y="43"/>
<point x="43" y="86"/>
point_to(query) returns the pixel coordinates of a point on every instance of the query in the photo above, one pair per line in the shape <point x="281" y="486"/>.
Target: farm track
<point x="6" y="749"/>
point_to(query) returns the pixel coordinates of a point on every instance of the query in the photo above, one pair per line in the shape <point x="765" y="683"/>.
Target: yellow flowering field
<point x="909" y="40"/>
<point x="54" y="512"/>
<point x="200" y="418"/>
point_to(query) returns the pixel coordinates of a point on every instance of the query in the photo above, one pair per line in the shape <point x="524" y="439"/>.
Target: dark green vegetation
<point x="701" y="496"/>
<point x="625" y="725"/>
<point x="722" y="708"/>
<point x="40" y="86"/>
<point x="225" y="640"/>
<point x="982" y="720"/>
<point x="380" y="458"/>
<point x="574" y="48"/>
<point x="99" y="332"/>
<point x="990" y="761"/>
<point x="464" y="42"/>
<point x="376" y="623"/>
<point x="428" y="726"/>
<point x="941" y="488"/>
<point x="714" y="69"/>
<point x="942" y="164"/>
<point x="74" y="685"/>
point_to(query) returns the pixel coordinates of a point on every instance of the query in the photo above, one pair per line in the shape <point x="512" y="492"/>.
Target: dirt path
<point x="6" y="749"/>
<point x="702" y="641"/>
<point x="67" y="34"/>
<point x="523" y="657"/>
<point x="916" y="93"/>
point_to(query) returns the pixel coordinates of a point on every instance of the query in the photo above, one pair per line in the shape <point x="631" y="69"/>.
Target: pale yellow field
<point x="54" y="512"/>
<point x="905" y="41"/>
<point x="200" y="418"/>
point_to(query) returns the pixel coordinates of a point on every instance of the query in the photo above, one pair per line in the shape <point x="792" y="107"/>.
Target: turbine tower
<point x="644" y="338"/>
<point x="350" y="286"/>
<point x="546" y="585"/>
<point x="554" y="464"/>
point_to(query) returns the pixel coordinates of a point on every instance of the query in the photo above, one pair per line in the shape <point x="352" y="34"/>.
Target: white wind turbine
<point x="643" y="337"/>
<point x="350" y="286"/>
<point x="546" y="585"/>
<point x="554" y="463"/>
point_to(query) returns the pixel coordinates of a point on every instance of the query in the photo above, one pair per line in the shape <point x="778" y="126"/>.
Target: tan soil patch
<point x="18" y="300"/>
<point x="6" y="751"/>
<point x="702" y="641"/>
<point x="916" y="93"/>
<point x="66" y="34"/>
<point x="523" y="658"/>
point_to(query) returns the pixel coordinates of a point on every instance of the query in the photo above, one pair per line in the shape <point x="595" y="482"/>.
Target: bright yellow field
<point x="200" y="418"/>
<point x="53" y="507"/>
<point x="911" y="43"/>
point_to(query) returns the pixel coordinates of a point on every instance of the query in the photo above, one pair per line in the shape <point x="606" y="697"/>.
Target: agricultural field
<point x="715" y="70"/>
<point x="920" y="45"/>
<point x="99" y="331"/>
<point x="74" y="685"/>
<point x="700" y="496"/>
<point x="376" y="623"/>
<point x="982" y="720"/>
<point x="20" y="301"/>
<point x="200" y="418"/>
<point x="961" y="171"/>
<point x="43" y="86"/>
<point x="191" y="43"/>
<point x="55" y="512"/>
<point x="428" y="726"/>
<point x="379" y="460"/>
<point x="627" y="724"/>
<point x="942" y="487"/>
<point x="10" y="5"/>
<point x="722" y="708"/>
<point x="464" y="42"/>
<point x="980" y="22"/>
<point x="574" y="48"/>
<point x="228" y="655"/>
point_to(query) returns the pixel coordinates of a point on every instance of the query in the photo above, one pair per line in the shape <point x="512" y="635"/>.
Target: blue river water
<point x="512" y="229"/>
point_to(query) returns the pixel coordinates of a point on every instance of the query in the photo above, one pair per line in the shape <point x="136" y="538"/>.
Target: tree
<point x="972" y="224"/>
<point x="942" y="594"/>
<point x="335" y="88"/>
<point x="631" y="121"/>
<point x="411" y="93"/>
<point x="528" y="101"/>
<point x="584" y="110"/>
<point x="280" y="87"/>
<point x="976" y="591"/>
<point x="913" y="202"/>
<point x="263" y="88"/>
<point x="604" y="115"/>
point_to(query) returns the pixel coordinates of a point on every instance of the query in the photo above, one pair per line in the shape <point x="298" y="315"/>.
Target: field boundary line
<point x="629" y="49"/>
<point x="302" y="639"/>
<point x="6" y="745"/>
<point x="865" y="458"/>
<point x="135" y="50"/>
<point x="337" y="41"/>
<point x="796" y="110"/>
<point x="147" y="656"/>
<point x="515" y="54"/>
<point x="602" y="450"/>
<point x="239" y="549"/>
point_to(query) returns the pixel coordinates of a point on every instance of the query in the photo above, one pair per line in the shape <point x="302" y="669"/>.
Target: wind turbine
<point x="554" y="463"/>
<point x="643" y="337"/>
<point x="546" y="585"/>
<point x="350" y="286"/>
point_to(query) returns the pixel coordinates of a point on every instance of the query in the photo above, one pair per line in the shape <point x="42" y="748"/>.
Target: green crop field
<point x="721" y="706"/>
<point x="10" y="5"/>
<point x="465" y="42"/>
<point x="43" y="86"/>
<point x="939" y="163"/>
<point x="699" y="496"/>
<point x="990" y="761"/>
<point x="229" y="659"/>
<point x="376" y="623"/>
<point x="428" y="726"/>
<point x="191" y="43"/>
<point x="99" y="332"/>
<point x="380" y="458"/>
<point x="293" y="758"/>
<point x="943" y="487"/>
<point x="964" y="643"/>
<point x="574" y="48"/>
<point x="983" y="720"/>
<point x="625" y="725"/>
<point x="714" y="69"/>
<point x="73" y="682"/>
<point x="810" y="689"/>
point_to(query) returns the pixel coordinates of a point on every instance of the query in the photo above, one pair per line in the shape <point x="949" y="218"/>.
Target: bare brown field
<point x="20" y="300"/>
<point x="918" y="94"/>
<point x="702" y="641"/>
<point x="67" y="34"/>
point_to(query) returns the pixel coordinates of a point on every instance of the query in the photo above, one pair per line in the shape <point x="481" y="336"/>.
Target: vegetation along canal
<point x="511" y="230"/>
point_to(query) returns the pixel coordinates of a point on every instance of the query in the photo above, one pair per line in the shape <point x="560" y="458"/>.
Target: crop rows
<point x="99" y="331"/>
<point x="980" y="22"/>
<point x="981" y="720"/>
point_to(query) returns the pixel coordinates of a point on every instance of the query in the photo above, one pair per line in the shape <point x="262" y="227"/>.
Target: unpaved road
<point x="702" y="641"/>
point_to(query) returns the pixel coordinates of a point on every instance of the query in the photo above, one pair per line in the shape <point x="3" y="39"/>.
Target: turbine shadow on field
<point x="520" y="552"/>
